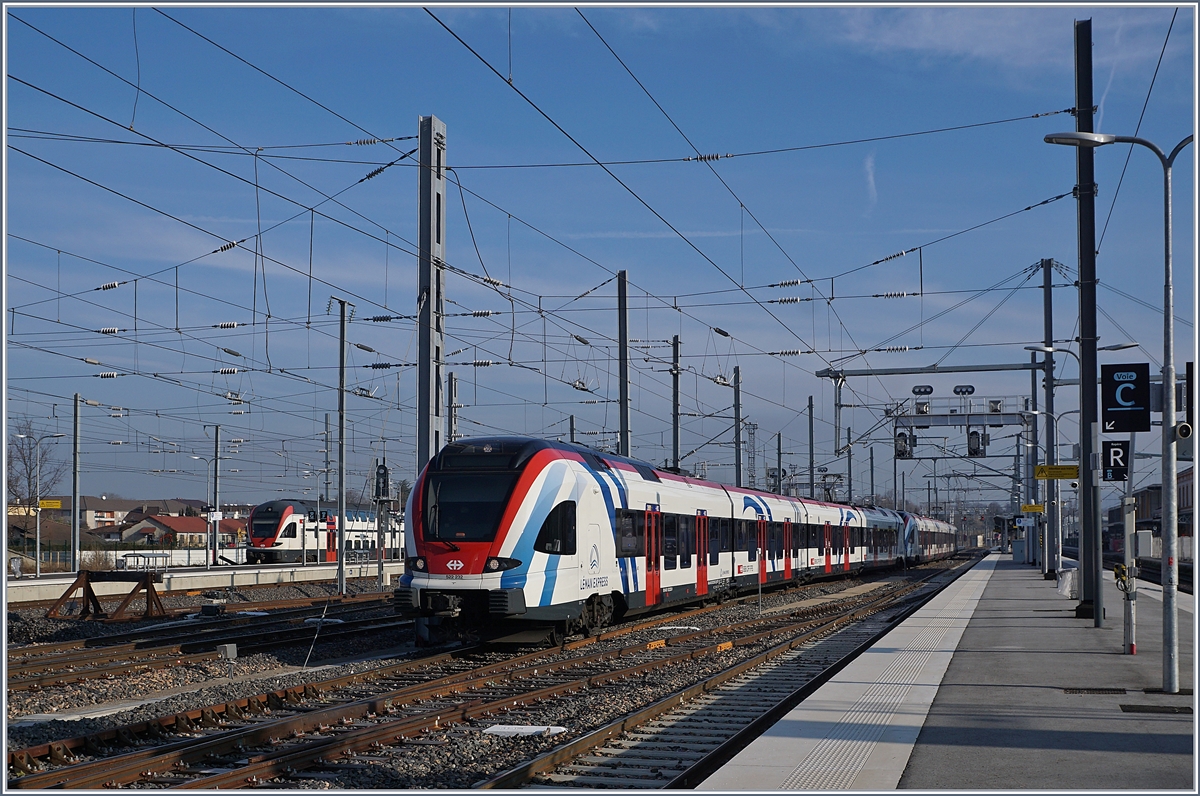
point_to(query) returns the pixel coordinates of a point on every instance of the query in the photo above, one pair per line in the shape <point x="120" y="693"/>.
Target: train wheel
<point x="557" y="635"/>
<point x="597" y="613"/>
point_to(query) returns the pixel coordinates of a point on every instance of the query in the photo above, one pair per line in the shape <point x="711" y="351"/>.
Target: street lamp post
<point x="1170" y="518"/>
<point x="37" y="498"/>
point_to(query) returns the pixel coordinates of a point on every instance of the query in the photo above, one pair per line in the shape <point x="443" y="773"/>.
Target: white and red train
<point x="288" y="531"/>
<point x="550" y="533"/>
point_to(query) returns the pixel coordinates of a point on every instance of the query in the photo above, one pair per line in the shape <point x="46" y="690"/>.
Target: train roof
<point x="521" y="449"/>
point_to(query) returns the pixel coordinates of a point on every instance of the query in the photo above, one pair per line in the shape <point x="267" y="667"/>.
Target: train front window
<point x="264" y="529"/>
<point x="466" y="507"/>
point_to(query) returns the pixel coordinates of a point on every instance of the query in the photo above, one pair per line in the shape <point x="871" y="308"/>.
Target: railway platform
<point x="51" y="585"/>
<point x="994" y="684"/>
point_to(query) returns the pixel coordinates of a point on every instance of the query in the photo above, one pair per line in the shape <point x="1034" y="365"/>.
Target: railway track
<point x="288" y="733"/>
<point x="1149" y="569"/>
<point x="679" y="741"/>
<point x="49" y="665"/>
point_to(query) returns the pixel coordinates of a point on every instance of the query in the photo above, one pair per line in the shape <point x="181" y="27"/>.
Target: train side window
<point x="289" y="532"/>
<point x="751" y="538"/>
<point x="714" y="541"/>
<point x="670" y="525"/>
<point x="739" y="532"/>
<point x="557" y="536"/>
<point x="854" y="537"/>
<point x="631" y="530"/>
<point x="777" y="540"/>
<point x="726" y="534"/>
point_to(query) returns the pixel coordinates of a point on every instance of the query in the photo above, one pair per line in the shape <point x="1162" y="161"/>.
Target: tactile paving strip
<point x="841" y="755"/>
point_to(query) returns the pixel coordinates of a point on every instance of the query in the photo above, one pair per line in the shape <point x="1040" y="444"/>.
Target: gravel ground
<point x="468" y="755"/>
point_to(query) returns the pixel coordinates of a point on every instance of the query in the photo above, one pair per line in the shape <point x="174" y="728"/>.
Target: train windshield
<point x="466" y="507"/>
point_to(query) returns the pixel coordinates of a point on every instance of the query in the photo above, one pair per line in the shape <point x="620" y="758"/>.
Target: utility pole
<point x="849" y="475"/>
<point x="623" y="359"/>
<point x="1092" y="604"/>
<point x="1129" y="514"/>
<point x="1053" y="548"/>
<point x="779" y="463"/>
<point x="1035" y="551"/>
<point x="431" y="287"/>
<point x="452" y="407"/>
<point x="874" y="501"/>
<point x="812" y="454"/>
<point x="675" y="402"/>
<point x="76" y="552"/>
<point x="217" y="517"/>
<point x="341" y="520"/>
<point x="737" y="425"/>
<point x="751" y="451"/>
<point x="327" y="470"/>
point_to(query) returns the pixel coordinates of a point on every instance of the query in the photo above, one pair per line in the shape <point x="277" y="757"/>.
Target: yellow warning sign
<point x="1033" y="508"/>
<point x="1055" y="472"/>
<point x="48" y="503"/>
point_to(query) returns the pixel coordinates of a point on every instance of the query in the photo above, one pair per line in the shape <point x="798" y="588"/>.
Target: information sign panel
<point x="1125" y="397"/>
<point x="1056" y="472"/>
<point x="1115" y="462"/>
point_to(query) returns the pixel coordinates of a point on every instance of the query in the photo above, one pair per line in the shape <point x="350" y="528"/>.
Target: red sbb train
<point x="291" y="531"/>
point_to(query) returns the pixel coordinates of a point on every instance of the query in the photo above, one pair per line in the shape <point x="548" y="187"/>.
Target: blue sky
<point x="735" y="81"/>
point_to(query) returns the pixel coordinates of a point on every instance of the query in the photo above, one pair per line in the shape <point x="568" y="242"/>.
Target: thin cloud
<point x="872" y="193"/>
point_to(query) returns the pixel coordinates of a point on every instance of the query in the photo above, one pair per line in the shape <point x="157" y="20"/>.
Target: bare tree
<point x="23" y="454"/>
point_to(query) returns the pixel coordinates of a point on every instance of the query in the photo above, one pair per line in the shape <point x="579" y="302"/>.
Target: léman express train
<point x="540" y="533"/>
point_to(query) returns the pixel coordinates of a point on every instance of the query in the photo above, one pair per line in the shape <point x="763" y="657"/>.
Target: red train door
<point x="653" y="557"/>
<point x="828" y="549"/>
<point x="762" y="550"/>
<point x="787" y="549"/>
<point x="846" y="547"/>
<point x="701" y="553"/>
<point x="330" y="538"/>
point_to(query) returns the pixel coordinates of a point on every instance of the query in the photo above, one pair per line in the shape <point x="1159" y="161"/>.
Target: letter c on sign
<point x="1120" y="400"/>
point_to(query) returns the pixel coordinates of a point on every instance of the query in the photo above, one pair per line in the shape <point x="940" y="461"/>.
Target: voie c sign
<point x="1125" y="398"/>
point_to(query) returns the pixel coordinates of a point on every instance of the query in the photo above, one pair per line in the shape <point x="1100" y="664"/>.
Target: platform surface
<point x="971" y="693"/>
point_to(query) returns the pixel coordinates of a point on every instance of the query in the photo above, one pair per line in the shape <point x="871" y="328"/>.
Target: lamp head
<point x="1089" y="140"/>
<point x="1041" y="349"/>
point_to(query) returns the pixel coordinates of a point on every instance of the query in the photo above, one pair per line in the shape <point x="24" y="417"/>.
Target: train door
<point x="846" y="531"/>
<point x="654" y="551"/>
<point x="828" y="548"/>
<point x="763" y="552"/>
<point x="787" y="549"/>
<point x="701" y="552"/>
<point x="330" y="537"/>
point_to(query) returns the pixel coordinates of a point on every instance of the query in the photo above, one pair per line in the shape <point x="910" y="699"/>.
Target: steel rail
<point x="521" y="775"/>
<point x="83" y="775"/>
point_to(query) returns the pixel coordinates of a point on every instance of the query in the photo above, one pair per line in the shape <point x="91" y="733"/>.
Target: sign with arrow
<point x="1116" y="460"/>
<point x="1125" y="398"/>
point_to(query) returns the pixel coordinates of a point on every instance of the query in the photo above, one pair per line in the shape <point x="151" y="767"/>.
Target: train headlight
<point x="417" y="564"/>
<point x="500" y="564"/>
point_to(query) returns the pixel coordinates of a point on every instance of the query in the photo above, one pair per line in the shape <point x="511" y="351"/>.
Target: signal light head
<point x="923" y="389"/>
